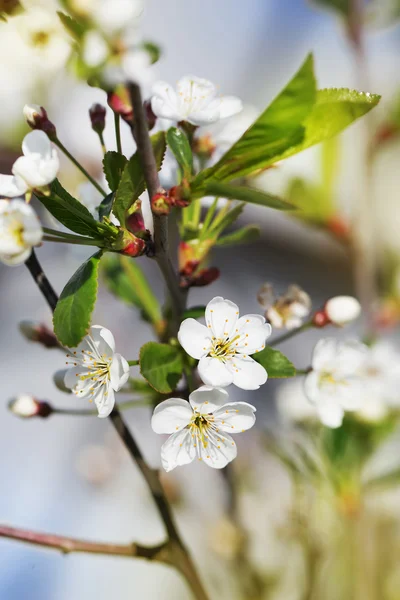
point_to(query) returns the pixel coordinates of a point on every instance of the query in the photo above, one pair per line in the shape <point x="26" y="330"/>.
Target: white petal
<point x="235" y="417"/>
<point x="213" y="372"/>
<point x="229" y="106"/>
<point x="107" y="336"/>
<point x="37" y="142"/>
<point x="194" y="338"/>
<point x="205" y="116"/>
<point x="105" y="401"/>
<point x="207" y="399"/>
<point x="94" y="49"/>
<point x="311" y="387"/>
<point x="342" y="309"/>
<point x="178" y="450"/>
<point x="221" y="317"/>
<point x="119" y="372"/>
<point x="11" y="186"/>
<point x="171" y="415"/>
<point x="253" y="334"/>
<point x="330" y="413"/>
<point x="324" y="353"/>
<point x="247" y="373"/>
<point x="13" y="260"/>
<point x="220" y="450"/>
<point x="103" y="340"/>
<point x="71" y="377"/>
<point x="164" y="101"/>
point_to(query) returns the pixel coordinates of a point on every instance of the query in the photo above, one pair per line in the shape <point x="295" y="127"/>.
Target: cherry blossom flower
<point x="97" y="371"/>
<point x="195" y="100"/>
<point x="223" y="346"/>
<point x="287" y="310"/>
<point x="342" y="310"/>
<point x="34" y="170"/>
<point x="381" y="373"/>
<point x="20" y="230"/>
<point x="335" y="383"/>
<point x="200" y="428"/>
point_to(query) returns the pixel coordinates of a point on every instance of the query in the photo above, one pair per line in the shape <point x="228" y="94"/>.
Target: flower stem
<point x="117" y="123"/>
<point x="102" y="143"/>
<point x="291" y="333"/>
<point x="79" y="166"/>
<point x="67" y="545"/>
<point x="146" y="155"/>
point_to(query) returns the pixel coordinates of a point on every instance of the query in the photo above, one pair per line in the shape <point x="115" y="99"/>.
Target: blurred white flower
<point x="20" y="230"/>
<point x="36" y="169"/>
<point x="114" y="16"/>
<point x="134" y="66"/>
<point x="335" y="383"/>
<point x="24" y="406"/>
<point x="97" y="371"/>
<point x="94" y="49"/>
<point x="200" y="427"/>
<point x="287" y="310"/>
<point x="195" y="100"/>
<point x="342" y="310"/>
<point x="223" y="346"/>
<point x="381" y="374"/>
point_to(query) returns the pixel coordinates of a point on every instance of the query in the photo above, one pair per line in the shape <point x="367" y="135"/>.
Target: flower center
<point x="199" y="426"/>
<point x="223" y="348"/>
<point x="96" y="370"/>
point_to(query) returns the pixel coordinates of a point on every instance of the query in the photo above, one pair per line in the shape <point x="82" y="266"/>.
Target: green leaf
<point x="275" y="363"/>
<point x="245" y="235"/>
<point x="247" y="194"/>
<point x="161" y="365"/>
<point x="278" y="128"/>
<point x="194" y="312"/>
<point x="178" y="142"/>
<point x="334" y="110"/>
<point x="153" y="50"/>
<point x="342" y="7"/>
<point x="113" y="167"/>
<point x="73" y="27"/>
<point x="74" y="309"/>
<point x="132" y="183"/>
<point x="106" y="206"/>
<point x="126" y="280"/>
<point x="70" y="212"/>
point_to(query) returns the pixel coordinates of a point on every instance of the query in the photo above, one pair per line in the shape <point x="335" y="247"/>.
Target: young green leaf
<point x="178" y="142"/>
<point x="278" y="128"/>
<point x="132" y="182"/>
<point x="245" y="235"/>
<point x="113" y="167"/>
<point x="247" y="194"/>
<point x="73" y="27"/>
<point x="161" y="365"/>
<point x="275" y="363"/>
<point x="106" y="206"/>
<point x="194" y="312"/>
<point x="74" y="309"/>
<point x="70" y="212"/>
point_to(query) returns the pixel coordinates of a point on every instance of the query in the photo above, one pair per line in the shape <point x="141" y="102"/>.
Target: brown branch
<point x="41" y="281"/>
<point x="67" y="545"/>
<point x="149" y="166"/>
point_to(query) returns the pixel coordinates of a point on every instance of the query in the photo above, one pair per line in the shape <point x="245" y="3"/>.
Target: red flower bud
<point x="36" y="117"/>
<point x="97" y="113"/>
<point x="179" y="196"/>
<point x="320" y="319"/>
<point x="161" y="204"/>
<point x="135" y="222"/>
<point x="202" y="278"/>
<point x="120" y="103"/>
<point x="135" y="247"/>
<point x="150" y="116"/>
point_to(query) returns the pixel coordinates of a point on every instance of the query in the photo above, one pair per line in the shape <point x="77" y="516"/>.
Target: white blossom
<point x="95" y="50"/>
<point x="35" y="169"/>
<point x="287" y="310"/>
<point x="24" y="406"/>
<point x="20" y="230"/>
<point x="335" y="383"/>
<point x="200" y="428"/>
<point x="381" y="374"/>
<point x="135" y="66"/>
<point x="223" y="346"/>
<point x="195" y="100"/>
<point x="97" y="371"/>
<point x="114" y="16"/>
<point x="342" y="310"/>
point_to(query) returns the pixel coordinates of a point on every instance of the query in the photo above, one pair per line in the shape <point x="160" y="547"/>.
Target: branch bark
<point x="68" y="545"/>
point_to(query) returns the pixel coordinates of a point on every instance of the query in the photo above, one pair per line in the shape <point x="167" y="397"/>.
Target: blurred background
<point x="288" y="533"/>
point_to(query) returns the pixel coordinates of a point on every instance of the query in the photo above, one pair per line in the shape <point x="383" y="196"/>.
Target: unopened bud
<point x="160" y="204"/>
<point x="35" y="331"/>
<point x="59" y="381"/>
<point x="150" y="116"/>
<point x="119" y="102"/>
<point x="26" y="407"/>
<point x="320" y="319"/>
<point x="204" y="147"/>
<point x="200" y="279"/>
<point x="97" y="114"/>
<point x="36" y="117"/>
<point x="179" y="195"/>
<point x="135" y="222"/>
<point x="342" y="310"/>
<point x="129" y="244"/>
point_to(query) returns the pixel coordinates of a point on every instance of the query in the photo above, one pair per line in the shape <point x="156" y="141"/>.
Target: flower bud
<point x="97" y="114"/>
<point x="129" y="244"/>
<point x="342" y="310"/>
<point x="119" y="102"/>
<point x="199" y="279"/>
<point x="204" y="147"/>
<point x="35" y="331"/>
<point x="36" y="117"/>
<point x="320" y="319"/>
<point x="26" y="407"/>
<point x="179" y="195"/>
<point x="150" y="116"/>
<point x="160" y="204"/>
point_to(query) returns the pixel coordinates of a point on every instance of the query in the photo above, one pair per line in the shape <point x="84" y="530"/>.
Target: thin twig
<point x="291" y="333"/>
<point x="68" y="545"/>
<point x="41" y="281"/>
<point x="80" y="167"/>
